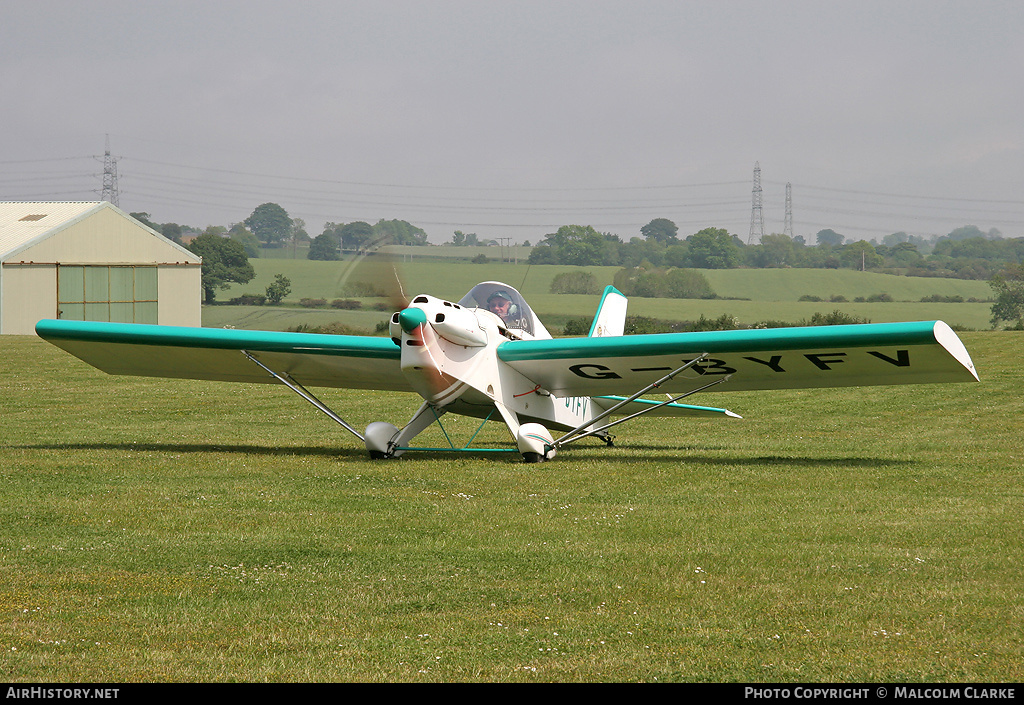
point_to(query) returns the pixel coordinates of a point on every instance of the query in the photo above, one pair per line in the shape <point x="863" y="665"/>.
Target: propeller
<point x="374" y="272"/>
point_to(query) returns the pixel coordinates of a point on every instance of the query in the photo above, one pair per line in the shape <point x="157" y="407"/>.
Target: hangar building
<point x="91" y="262"/>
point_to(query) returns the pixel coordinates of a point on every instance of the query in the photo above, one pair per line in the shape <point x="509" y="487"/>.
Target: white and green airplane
<point x="488" y="356"/>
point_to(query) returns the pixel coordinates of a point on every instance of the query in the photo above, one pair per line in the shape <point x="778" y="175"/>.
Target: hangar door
<point x="120" y="294"/>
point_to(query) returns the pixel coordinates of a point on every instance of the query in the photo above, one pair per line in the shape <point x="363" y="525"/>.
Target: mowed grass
<point x="164" y="530"/>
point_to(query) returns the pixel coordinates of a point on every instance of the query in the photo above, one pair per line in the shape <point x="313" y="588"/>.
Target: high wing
<point x="346" y="361"/>
<point x="778" y="358"/>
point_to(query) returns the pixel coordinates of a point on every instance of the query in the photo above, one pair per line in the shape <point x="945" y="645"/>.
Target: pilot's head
<point x="499" y="303"/>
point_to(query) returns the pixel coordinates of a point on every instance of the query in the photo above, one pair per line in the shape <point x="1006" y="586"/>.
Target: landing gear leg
<point x="384" y="440"/>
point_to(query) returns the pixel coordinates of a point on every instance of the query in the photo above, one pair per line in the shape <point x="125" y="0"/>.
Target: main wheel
<point x="535" y="443"/>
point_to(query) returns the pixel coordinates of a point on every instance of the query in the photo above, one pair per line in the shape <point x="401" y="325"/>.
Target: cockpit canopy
<point x="517" y="316"/>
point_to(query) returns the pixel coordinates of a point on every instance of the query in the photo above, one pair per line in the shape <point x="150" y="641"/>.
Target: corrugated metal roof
<point x="23" y="222"/>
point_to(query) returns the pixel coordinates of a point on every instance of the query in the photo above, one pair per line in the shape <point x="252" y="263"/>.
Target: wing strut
<point x="307" y="395"/>
<point x="598" y="431"/>
<point x="578" y="432"/>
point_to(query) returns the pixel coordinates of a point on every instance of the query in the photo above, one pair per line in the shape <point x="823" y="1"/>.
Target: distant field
<point x="449" y="252"/>
<point x="181" y="531"/>
<point x="773" y="293"/>
<point x="791" y="284"/>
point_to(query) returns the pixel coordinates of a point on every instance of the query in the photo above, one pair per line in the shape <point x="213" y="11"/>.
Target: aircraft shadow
<point x="699" y="455"/>
<point x="334" y="452"/>
<point x="645" y="454"/>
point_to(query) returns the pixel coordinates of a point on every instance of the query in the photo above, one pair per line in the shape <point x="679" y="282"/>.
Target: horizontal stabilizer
<point x="647" y="406"/>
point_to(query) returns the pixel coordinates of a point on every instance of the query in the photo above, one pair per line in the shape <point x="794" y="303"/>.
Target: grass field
<point x="159" y="530"/>
<point x="764" y="294"/>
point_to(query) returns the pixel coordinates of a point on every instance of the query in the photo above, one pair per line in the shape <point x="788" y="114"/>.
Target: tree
<point x="356" y="236"/>
<point x="677" y="255"/>
<point x="713" y="248"/>
<point x="270" y="223"/>
<point x="861" y="255"/>
<point x="1008" y="286"/>
<point x="775" y="251"/>
<point x="240" y="233"/>
<point x="968" y="231"/>
<point x="905" y="254"/>
<point x="894" y="239"/>
<point x="660" y="229"/>
<point x="278" y="289"/>
<point x="324" y="247"/>
<point x="298" y="233"/>
<point x="144" y="218"/>
<point x="398" y="232"/>
<point x="224" y="261"/>
<point x="830" y="237"/>
<point x="171" y="231"/>
<point x="578" y="245"/>
<point x="639" y="250"/>
<point x="461" y="239"/>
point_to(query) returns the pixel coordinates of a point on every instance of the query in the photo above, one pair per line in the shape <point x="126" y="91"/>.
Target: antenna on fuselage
<point x="524" y="278"/>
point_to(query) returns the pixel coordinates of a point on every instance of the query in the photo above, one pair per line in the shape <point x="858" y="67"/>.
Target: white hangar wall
<point x="91" y="261"/>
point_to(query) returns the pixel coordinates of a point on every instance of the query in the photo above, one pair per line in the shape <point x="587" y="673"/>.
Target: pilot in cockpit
<point x="500" y="304"/>
<point x="507" y="304"/>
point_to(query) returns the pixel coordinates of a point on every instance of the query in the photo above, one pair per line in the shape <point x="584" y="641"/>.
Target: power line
<point x="226" y="194"/>
<point x="435" y="187"/>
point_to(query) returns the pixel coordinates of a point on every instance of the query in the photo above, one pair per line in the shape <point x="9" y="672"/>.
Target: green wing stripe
<point x="345" y="361"/>
<point x="757" y="340"/>
<point x="218" y="338"/>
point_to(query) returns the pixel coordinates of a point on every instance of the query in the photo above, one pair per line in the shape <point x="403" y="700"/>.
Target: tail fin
<point x="611" y="314"/>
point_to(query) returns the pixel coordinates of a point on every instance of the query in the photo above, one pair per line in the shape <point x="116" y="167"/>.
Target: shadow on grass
<point x="698" y="455"/>
<point x="643" y="454"/>
<point x="339" y="451"/>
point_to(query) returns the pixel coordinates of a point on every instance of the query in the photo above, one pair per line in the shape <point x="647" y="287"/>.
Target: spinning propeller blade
<point x="375" y="271"/>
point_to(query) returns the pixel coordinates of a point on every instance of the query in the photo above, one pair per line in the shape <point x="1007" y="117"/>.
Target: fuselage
<point x="449" y="356"/>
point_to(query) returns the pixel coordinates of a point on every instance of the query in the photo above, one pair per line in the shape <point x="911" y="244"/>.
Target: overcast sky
<point x="508" y="119"/>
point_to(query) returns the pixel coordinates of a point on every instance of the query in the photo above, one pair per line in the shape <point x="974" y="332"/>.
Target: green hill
<point x="751" y="295"/>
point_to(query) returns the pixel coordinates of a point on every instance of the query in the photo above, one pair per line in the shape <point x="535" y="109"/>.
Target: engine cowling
<point x="453" y="322"/>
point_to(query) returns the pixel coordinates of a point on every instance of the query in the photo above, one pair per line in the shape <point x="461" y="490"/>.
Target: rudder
<point x="611" y="315"/>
